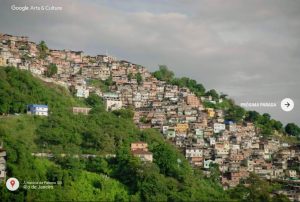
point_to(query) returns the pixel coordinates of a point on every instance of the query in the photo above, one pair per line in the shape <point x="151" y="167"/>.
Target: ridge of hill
<point x="61" y="66"/>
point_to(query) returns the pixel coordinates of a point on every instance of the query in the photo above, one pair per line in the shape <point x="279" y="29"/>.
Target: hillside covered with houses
<point x="207" y="128"/>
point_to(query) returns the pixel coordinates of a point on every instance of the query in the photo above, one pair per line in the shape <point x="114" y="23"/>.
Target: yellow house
<point x="2" y="61"/>
<point x="182" y="127"/>
<point x="210" y="112"/>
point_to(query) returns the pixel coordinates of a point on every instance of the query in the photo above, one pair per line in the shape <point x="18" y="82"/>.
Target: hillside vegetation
<point x="122" y="178"/>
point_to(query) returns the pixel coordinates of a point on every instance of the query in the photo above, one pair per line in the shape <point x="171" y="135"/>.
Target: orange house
<point x="182" y="127"/>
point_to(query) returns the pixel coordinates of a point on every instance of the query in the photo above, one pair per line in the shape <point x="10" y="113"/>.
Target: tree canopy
<point x="51" y="70"/>
<point x="292" y="129"/>
<point x="164" y="74"/>
<point x="43" y="49"/>
<point x="254" y="189"/>
<point x="213" y="93"/>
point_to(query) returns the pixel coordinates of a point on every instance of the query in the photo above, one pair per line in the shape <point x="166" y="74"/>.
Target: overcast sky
<point x="248" y="49"/>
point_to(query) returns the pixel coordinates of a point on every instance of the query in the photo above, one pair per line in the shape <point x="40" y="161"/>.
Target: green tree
<point x="163" y="74"/>
<point x="109" y="81"/>
<point x="43" y="49"/>
<point x="129" y="76"/>
<point x="215" y="172"/>
<point x="252" y="116"/>
<point x="292" y="129"/>
<point x="276" y="125"/>
<point x="280" y="198"/>
<point x="264" y="122"/>
<point x="235" y="113"/>
<point x="94" y="100"/>
<point x="213" y="93"/>
<point x="195" y="87"/>
<point x="124" y="113"/>
<point x="51" y="70"/>
<point x="257" y="190"/>
<point x="143" y="119"/>
<point x="199" y="89"/>
<point x="98" y="165"/>
<point x="223" y="96"/>
<point x="139" y="78"/>
<point x="152" y="184"/>
<point x="265" y="118"/>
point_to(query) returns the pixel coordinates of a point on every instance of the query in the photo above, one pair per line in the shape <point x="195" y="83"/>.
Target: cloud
<point x="248" y="49"/>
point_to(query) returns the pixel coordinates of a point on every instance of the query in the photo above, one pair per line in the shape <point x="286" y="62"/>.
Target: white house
<point x="35" y="109"/>
<point x="218" y="127"/>
<point x="212" y="141"/>
<point x="82" y="92"/>
<point x="113" y="104"/>
<point x="193" y="152"/>
<point x="206" y="163"/>
<point x="165" y="129"/>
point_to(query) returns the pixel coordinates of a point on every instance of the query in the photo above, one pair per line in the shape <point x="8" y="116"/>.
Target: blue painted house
<point x="35" y="109"/>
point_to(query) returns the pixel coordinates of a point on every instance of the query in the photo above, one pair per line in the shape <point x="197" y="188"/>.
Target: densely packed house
<point x="203" y="134"/>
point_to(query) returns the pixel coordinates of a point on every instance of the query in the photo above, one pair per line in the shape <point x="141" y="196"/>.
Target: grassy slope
<point x="101" y="132"/>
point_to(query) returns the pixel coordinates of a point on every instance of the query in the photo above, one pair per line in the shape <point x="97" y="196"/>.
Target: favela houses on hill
<point x="103" y="129"/>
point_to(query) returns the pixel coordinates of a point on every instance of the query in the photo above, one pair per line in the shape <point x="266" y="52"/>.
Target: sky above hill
<point x="248" y="49"/>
